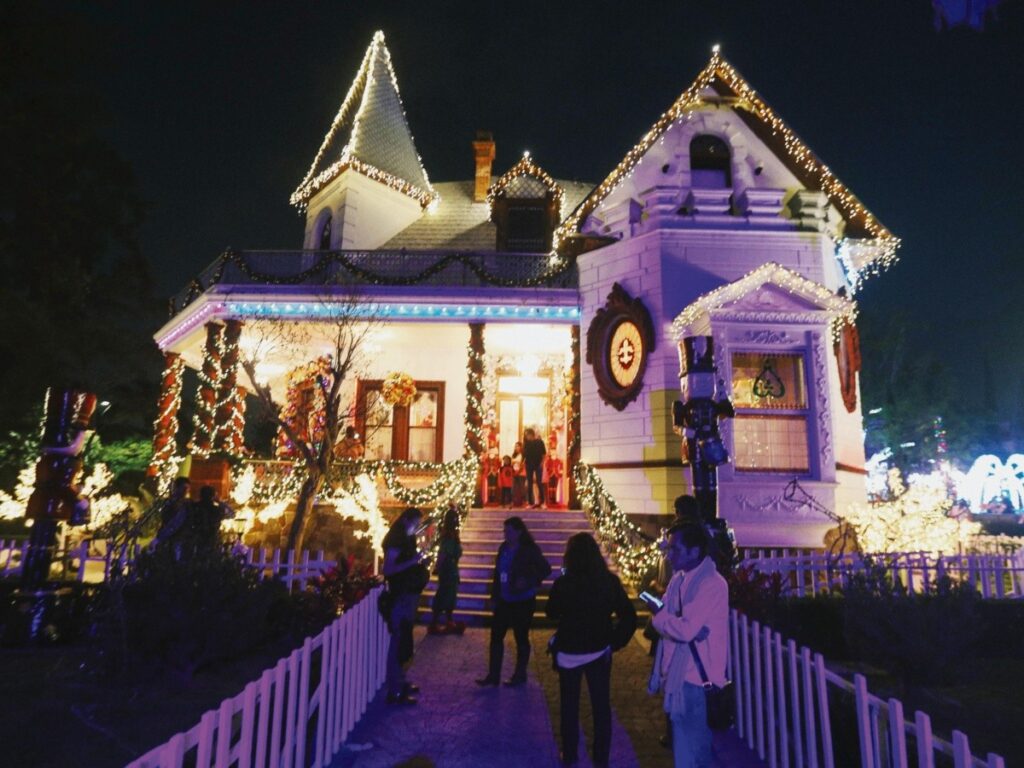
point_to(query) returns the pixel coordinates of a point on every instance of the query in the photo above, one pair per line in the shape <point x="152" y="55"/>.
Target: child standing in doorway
<point x="506" y="479"/>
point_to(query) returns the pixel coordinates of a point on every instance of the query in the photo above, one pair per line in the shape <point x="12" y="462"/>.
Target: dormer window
<point x="324" y="241"/>
<point x="710" y="163"/>
<point x="525" y="208"/>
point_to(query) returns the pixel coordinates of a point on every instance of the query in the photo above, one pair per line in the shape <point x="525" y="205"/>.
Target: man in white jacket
<point x="696" y="609"/>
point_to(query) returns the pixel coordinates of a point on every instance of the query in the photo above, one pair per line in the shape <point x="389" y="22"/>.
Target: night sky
<point x="221" y="107"/>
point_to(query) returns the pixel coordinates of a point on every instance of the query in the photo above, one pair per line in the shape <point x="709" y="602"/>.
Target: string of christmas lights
<point x="230" y="427"/>
<point x="525" y="167"/>
<point x="306" y="417"/>
<point x="883" y="244"/>
<point x="634" y="551"/>
<point x="842" y="310"/>
<point x="475" y="441"/>
<point x="574" y="447"/>
<point x="362" y="85"/>
<point x="165" y="426"/>
<point x="204" y="419"/>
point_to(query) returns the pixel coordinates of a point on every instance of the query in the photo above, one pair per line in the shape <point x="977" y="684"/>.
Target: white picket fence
<point x="783" y="710"/>
<point x="297" y="713"/>
<point x="808" y="574"/>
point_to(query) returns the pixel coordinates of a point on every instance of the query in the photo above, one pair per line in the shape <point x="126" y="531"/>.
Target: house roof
<point x="877" y="246"/>
<point x="840" y="308"/>
<point x="457" y="223"/>
<point x="370" y="135"/>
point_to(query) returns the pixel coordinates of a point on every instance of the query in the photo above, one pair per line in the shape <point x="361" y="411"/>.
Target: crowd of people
<point x="530" y="476"/>
<point x="595" y="619"/>
<point x="188" y="526"/>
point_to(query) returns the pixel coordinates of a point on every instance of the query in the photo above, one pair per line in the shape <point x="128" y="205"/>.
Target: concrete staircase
<point x="481" y="534"/>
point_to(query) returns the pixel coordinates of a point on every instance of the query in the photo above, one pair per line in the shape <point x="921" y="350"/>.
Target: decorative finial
<point x="526" y="154"/>
<point x="716" y="48"/>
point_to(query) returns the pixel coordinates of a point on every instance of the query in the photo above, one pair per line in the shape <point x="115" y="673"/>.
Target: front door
<point x="517" y="413"/>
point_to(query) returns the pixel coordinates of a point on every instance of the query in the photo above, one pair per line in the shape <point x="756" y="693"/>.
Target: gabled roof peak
<point x="524" y="168"/>
<point x="722" y="78"/>
<point x="370" y="135"/>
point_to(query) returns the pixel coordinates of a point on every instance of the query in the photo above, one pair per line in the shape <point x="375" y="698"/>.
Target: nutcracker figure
<point x="696" y="417"/>
<point x="55" y="498"/>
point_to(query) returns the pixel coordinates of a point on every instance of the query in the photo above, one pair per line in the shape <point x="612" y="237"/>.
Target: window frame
<point x="400" y="418"/>
<point x="805" y="414"/>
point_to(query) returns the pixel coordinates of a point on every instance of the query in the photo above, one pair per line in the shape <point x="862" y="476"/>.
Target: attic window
<point x="710" y="164"/>
<point x="324" y="240"/>
<point x="525" y="208"/>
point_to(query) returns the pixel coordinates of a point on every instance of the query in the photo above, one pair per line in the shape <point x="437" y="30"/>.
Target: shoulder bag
<point x="721" y="701"/>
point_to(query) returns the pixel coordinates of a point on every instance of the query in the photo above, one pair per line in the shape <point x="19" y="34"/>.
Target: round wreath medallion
<point x="398" y="389"/>
<point x="619" y="339"/>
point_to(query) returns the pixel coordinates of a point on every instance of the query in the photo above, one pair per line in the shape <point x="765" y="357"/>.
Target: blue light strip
<point x="406" y="311"/>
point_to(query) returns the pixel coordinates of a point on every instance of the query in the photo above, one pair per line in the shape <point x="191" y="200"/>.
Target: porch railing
<point x="297" y="713"/>
<point x="993" y="575"/>
<point x="397" y="267"/>
<point x="784" y="712"/>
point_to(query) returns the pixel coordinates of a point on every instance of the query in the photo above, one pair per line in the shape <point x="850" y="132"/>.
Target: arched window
<point x="710" y="163"/>
<point x="325" y="233"/>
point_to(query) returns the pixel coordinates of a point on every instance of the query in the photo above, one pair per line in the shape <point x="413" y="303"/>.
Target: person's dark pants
<point x="516" y="616"/>
<point x="531" y="473"/>
<point x="598" y="674"/>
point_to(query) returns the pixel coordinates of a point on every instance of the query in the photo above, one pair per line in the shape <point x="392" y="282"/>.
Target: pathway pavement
<point x="458" y="725"/>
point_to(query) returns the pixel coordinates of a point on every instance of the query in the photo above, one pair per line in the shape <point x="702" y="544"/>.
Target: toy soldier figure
<point x="696" y="418"/>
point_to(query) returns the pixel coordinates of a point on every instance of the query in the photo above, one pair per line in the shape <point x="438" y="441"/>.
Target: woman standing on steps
<point x="519" y="570"/>
<point x="449" y="550"/>
<point x="583" y="601"/>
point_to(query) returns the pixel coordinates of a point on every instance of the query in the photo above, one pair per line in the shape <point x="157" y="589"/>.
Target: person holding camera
<point x="519" y="570"/>
<point x="583" y="600"/>
<point x="406" y="577"/>
<point x="693" y="624"/>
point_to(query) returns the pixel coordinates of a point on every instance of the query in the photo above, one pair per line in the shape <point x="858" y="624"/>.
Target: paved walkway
<point x="457" y="724"/>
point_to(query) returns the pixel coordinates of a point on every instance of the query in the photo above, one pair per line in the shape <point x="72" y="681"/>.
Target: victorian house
<point x="561" y="306"/>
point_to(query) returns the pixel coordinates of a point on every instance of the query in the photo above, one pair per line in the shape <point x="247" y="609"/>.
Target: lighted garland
<point x="525" y="167"/>
<point x="165" y="426"/>
<point x="357" y="91"/>
<point x="204" y="420"/>
<point x="634" y="551"/>
<point x="475" y="441"/>
<point x="573" y="449"/>
<point x="230" y="426"/>
<point x="325" y="261"/>
<point x="307" y="421"/>
<point x="746" y="98"/>
<point x="842" y="310"/>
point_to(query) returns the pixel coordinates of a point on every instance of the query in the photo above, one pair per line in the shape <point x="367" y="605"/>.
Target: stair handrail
<point x="634" y="551"/>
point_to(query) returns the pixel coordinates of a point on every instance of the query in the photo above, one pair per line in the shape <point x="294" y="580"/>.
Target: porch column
<point x="204" y="420"/>
<point x="165" y="427"/>
<point x="572" y="456"/>
<point x="230" y="415"/>
<point x="474" y="443"/>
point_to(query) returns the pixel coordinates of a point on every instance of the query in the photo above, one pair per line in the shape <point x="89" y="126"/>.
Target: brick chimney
<point x="483" y="153"/>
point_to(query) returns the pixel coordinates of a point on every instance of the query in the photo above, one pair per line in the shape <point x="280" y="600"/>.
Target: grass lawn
<point x="54" y="713"/>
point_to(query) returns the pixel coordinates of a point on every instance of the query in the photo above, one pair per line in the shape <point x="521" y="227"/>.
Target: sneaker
<point x="484" y="682"/>
<point x="516" y="680"/>
<point x="401" y="699"/>
<point x="436" y="629"/>
<point x="409" y="688"/>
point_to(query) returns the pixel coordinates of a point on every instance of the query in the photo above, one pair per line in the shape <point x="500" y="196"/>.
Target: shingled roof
<point x="370" y="135"/>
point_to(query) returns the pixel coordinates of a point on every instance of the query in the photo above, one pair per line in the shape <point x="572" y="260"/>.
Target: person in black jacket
<point x="533" y="456"/>
<point x="583" y="600"/>
<point x="403" y="570"/>
<point x="519" y="570"/>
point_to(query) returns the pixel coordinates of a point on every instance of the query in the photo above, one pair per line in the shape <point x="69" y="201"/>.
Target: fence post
<point x="755" y="631"/>
<point x="780" y="708"/>
<point x="769" y="698"/>
<point x="923" y="737"/>
<point x="794" y="704"/>
<point x="735" y="664"/>
<point x="288" y="750"/>
<point x="748" y="693"/>
<point x="826" y="720"/>
<point x="263" y="722"/>
<point x="897" y="735"/>
<point x="961" y="751"/>
<point x="809" y="730"/>
<point x="867" y="751"/>
<point x="224" y="716"/>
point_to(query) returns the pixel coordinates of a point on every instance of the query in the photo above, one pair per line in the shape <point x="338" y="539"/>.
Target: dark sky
<point x="221" y="107"/>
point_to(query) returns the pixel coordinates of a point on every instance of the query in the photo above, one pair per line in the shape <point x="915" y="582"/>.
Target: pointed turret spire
<point x="370" y="135"/>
